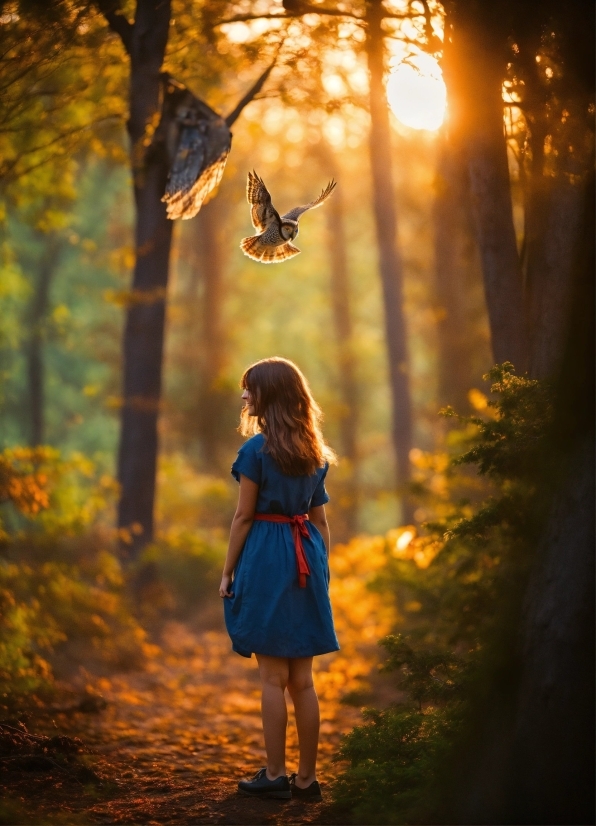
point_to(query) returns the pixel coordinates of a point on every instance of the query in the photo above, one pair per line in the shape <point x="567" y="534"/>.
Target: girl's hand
<point x="224" y="588"/>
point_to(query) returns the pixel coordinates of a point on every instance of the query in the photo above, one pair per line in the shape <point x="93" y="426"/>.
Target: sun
<point x="416" y="93"/>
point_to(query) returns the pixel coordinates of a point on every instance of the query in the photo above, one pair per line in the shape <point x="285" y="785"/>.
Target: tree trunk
<point x="552" y="774"/>
<point x="144" y="330"/>
<point x="342" y="322"/>
<point x="463" y="356"/>
<point x="553" y="223"/>
<point x="474" y="67"/>
<point x="533" y="761"/>
<point x="35" y="357"/>
<point x="551" y="777"/>
<point x="390" y="262"/>
<point x="210" y="260"/>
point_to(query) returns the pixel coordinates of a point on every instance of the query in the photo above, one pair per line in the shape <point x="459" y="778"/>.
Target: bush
<point x="460" y="585"/>
<point x="62" y="597"/>
<point x="393" y="760"/>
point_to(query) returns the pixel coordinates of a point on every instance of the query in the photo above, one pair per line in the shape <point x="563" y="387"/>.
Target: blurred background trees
<point x="452" y="242"/>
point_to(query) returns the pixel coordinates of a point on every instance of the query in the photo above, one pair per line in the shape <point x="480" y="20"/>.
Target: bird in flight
<point x="275" y="234"/>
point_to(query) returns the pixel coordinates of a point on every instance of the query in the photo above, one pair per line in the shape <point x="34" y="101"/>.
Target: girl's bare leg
<point x="306" y="707"/>
<point x="274" y="673"/>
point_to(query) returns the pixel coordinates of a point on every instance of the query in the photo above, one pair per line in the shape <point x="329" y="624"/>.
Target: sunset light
<point x="416" y="93"/>
<point x="296" y="495"/>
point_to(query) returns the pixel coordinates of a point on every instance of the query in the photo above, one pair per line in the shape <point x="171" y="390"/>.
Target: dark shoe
<point x="312" y="792"/>
<point x="261" y="786"/>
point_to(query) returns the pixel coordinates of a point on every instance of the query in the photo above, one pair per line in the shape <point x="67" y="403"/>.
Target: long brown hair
<point x="286" y="414"/>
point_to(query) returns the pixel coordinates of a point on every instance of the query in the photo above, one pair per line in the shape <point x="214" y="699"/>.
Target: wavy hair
<point x="287" y="416"/>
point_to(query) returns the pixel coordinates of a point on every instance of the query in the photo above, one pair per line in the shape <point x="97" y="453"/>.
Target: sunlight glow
<point x="405" y="539"/>
<point x="416" y="93"/>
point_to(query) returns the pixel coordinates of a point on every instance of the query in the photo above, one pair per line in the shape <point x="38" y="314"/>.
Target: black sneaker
<point x="312" y="792"/>
<point x="261" y="786"/>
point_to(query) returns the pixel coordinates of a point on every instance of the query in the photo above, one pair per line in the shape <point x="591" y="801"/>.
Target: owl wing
<point x="295" y="213"/>
<point x="255" y="248"/>
<point x="201" y="154"/>
<point x="262" y="211"/>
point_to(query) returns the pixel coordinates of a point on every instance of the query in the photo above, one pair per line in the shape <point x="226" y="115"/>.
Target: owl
<point x="198" y="142"/>
<point x="273" y="244"/>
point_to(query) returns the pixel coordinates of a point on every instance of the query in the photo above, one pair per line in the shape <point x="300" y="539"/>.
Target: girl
<point x="277" y="605"/>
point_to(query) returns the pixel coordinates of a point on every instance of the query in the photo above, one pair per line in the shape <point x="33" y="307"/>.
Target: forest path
<point x="178" y="736"/>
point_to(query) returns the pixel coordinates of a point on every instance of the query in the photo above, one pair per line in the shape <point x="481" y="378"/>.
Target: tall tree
<point x="145" y="42"/>
<point x="209" y="261"/>
<point x="337" y="245"/>
<point x="152" y="117"/>
<point x="531" y="759"/>
<point x="474" y="65"/>
<point x="390" y="261"/>
<point x="460" y="307"/>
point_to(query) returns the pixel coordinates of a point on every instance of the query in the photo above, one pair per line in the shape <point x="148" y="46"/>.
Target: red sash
<point x="299" y="530"/>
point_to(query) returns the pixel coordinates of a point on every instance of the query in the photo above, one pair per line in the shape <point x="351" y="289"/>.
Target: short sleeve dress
<point x="269" y="613"/>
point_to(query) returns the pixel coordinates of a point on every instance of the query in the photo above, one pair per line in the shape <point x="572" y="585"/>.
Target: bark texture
<point x="390" y="262"/>
<point x="474" y="67"/>
<point x="463" y="352"/>
<point x="553" y="229"/>
<point x="552" y="773"/>
<point x="533" y="760"/>
<point x="551" y="776"/>
<point x="144" y="329"/>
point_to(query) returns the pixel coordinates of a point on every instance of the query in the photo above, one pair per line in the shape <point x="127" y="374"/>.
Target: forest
<point x="442" y="308"/>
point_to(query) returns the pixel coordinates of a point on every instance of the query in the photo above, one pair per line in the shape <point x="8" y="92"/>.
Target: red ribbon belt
<point x="299" y="530"/>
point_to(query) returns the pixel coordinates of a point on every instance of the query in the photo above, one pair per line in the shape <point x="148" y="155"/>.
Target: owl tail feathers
<point x="254" y="248"/>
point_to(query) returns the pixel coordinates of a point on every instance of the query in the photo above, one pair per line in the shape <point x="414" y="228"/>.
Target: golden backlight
<point x="416" y="93"/>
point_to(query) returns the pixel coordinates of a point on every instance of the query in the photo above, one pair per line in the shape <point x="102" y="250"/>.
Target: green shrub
<point x="393" y="760"/>
<point x="62" y="595"/>
<point x="466" y="599"/>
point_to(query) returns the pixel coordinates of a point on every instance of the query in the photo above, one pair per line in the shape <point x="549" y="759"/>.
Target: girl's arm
<point x="241" y="524"/>
<point x="317" y="516"/>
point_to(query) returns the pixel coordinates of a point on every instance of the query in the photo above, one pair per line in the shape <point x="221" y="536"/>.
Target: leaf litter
<point x="170" y="744"/>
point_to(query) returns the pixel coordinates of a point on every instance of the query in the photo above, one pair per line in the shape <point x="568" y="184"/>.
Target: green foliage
<point x="62" y="596"/>
<point x="79" y="329"/>
<point x="427" y="675"/>
<point x="509" y="445"/>
<point x="393" y="763"/>
<point x="58" y="612"/>
<point x="43" y="496"/>
<point x="465" y="600"/>
<point x="53" y="94"/>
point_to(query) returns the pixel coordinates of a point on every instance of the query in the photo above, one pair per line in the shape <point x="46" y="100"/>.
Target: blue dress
<point x="269" y="612"/>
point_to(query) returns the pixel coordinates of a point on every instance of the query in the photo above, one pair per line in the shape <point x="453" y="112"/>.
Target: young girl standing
<point x="275" y="582"/>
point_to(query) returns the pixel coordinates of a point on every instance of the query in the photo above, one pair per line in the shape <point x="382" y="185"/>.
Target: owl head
<point x="289" y="229"/>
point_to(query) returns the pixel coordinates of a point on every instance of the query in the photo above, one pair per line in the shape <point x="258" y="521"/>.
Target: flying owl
<point x="273" y="243"/>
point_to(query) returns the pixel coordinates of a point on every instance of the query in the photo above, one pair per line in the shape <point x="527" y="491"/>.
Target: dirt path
<point x="174" y="740"/>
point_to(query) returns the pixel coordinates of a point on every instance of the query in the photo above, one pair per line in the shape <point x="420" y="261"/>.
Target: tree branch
<point x="254" y="90"/>
<point x="428" y="28"/>
<point x="431" y="38"/>
<point x="298" y="9"/>
<point x="117" y="22"/>
<point x="243" y="18"/>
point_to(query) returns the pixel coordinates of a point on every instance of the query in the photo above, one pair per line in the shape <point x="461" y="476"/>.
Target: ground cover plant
<point x="456" y="637"/>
